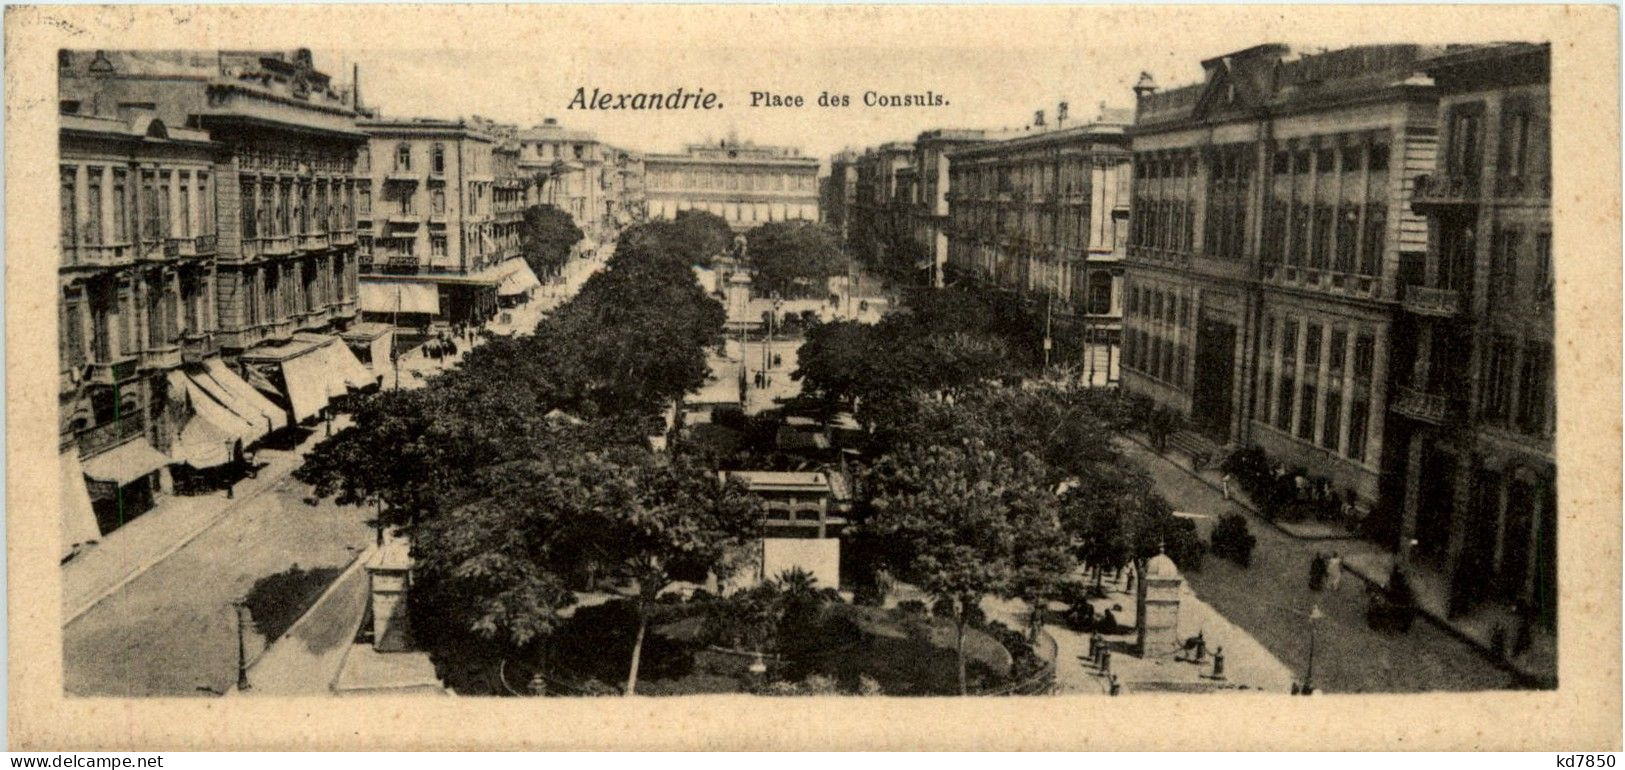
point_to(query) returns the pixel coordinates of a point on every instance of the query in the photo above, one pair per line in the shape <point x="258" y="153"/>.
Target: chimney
<point x="1038" y="119"/>
<point x="1145" y="87"/>
<point x="355" y="86"/>
<point x="1060" y="114"/>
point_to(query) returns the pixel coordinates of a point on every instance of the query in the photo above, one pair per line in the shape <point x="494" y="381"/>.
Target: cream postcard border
<point x="1583" y="714"/>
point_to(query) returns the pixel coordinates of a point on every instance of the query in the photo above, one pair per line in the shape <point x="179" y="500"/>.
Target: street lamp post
<point x="242" y="651"/>
<point x="1309" y="674"/>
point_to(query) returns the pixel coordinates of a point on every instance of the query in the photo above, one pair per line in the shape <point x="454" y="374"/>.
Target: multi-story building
<point x="744" y="183"/>
<point x="626" y="200"/>
<point x="837" y="192"/>
<point x="929" y="221"/>
<point x="1471" y="444"/>
<point x="207" y="209"/>
<point x="570" y="166"/>
<point x="878" y="224"/>
<point x="1271" y="218"/>
<point x="433" y="246"/>
<point x="1046" y="212"/>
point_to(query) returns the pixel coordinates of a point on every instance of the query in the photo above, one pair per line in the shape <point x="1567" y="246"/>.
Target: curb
<point x="355" y="563"/>
<point x="1524" y="677"/>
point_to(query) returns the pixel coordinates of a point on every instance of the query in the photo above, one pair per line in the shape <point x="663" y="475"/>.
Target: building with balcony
<point x="626" y="198"/>
<point x="1045" y="213"/>
<point x="837" y="192"/>
<point x="929" y="222"/>
<point x="1271" y="232"/>
<point x="569" y="165"/>
<point x="247" y="215"/>
<point x="1471" y="442"/>
<point x="744" y="183"/>
<point x="877" y="229"/>
<point x="436" y="247"/>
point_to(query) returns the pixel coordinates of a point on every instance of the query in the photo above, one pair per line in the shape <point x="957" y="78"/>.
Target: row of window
<point x="744" y="181"/>
<point x="1516" y="255"/>
<point x="271" y="293"/>
<point x="477" y="157"/>
<point x="1157" y="355"/>
<point x="273" y="208"/>
<point x="1343" y="238"/>
<point x="1035" y="178"/>
<point x="1517" y="385"/>
<point x="1290" y="391"/>
<point x="1524" y="140"/>
<point x="1076" y="227"/>
<point x="104" y="318"/>
<point x="101" y="204"/>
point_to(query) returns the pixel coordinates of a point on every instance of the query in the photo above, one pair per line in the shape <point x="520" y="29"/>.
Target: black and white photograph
<point x="1223" y="366"/>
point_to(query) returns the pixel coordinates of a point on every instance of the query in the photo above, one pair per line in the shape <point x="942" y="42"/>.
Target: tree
<point x="951" y="518"/>
<point x="546" y="238"/>
<point x="794" y="259"/>
<point x="662" y="520"/>
<point x="702" y="235"/>
<point x="833" y="360"/>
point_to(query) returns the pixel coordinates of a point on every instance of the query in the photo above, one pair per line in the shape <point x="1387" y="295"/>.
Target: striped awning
<point x="78" y="518"/>
<point x="125" y="463"/>
<point x="400" y="296"/>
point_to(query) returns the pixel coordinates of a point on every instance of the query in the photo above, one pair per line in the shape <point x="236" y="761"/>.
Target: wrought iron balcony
<point x="100" y="438"/>
<point x="1419" y="405"/>
<point x="1445" y="190"/>
<point x="1428" y="301"/>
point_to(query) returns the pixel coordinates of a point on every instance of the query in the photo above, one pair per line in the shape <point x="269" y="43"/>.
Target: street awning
<point x="125" y="463"/>
<point x="209" y="438"/>
<point x="78" y="518"/>
<point x="246" y="396"/>
<point x="343" y="370"/>
<point x="348" y="367"/>
<point x="307" y="384"/>
<point x="400" y="297"/>
<point x="520" y="280"/>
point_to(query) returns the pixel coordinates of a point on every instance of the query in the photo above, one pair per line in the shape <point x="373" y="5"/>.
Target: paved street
<point x="1271" y="600"/>
<point x="171" y="631"/>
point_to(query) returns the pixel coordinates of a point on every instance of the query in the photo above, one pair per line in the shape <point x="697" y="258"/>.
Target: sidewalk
<point x="1538" y="664"/>
<point x="306" y="660"/>
<point x="176" y="520"/>
<point x="1371" y="563"/>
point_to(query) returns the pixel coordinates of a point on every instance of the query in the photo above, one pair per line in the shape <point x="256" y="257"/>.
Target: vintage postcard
<point x="804" y="377"/>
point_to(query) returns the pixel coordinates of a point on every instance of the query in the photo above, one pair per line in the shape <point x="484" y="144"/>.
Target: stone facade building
<point x="837" y="192"/>
<point x="1271" y="214"/>
<point x="1302" y="279"/>
<point x="1046" y="212"/>
<point x="744" y="183"/>
<point x="878" y="225"/>
<point x="1471" y="445"/>
<point x="208" y="215"/>
<point x="928" y="223"/>
<point x="433" y="248"/>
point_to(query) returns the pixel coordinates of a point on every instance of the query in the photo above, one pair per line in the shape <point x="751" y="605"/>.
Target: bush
<point x="1233" y="541"/>
<point x="911" y="607"/>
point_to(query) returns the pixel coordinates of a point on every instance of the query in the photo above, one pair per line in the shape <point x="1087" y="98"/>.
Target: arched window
<point x="403" y="157"/>
<point x="437" y="159"/>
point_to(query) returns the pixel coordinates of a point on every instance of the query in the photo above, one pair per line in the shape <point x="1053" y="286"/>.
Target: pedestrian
<point x="1334" y="572"/>
<point x="1225" y="482"/>
<point x="1302" y="484"/>
<point x="1317" y="571"/>
<point x="777" y="361"/>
